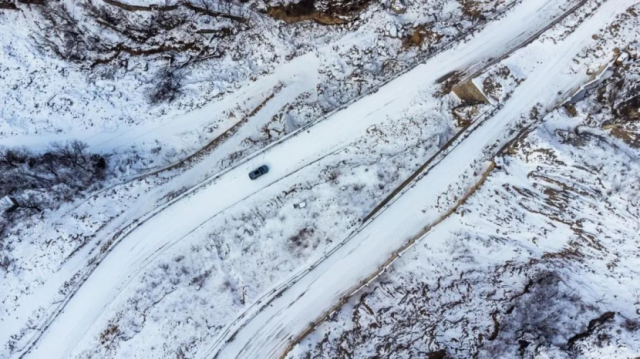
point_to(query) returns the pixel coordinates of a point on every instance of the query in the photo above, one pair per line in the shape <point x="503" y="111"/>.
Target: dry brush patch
<point x="105" y="37"/>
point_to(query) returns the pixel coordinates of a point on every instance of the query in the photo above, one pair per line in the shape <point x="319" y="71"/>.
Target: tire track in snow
<point x="469" y="74"/>
<point x="190" y="194"/>
<point x="271" y="334"/>
<point x="264" y="300"/>
<point x="136" y="223"/>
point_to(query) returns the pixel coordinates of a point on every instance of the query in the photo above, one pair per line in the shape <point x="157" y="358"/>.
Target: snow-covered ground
<point x="269" y="332"/>
<point x="187" y="252"/>
<point x="48" y="256"/>
<point x="178" y="219"/>
<point x="541" y="261"/>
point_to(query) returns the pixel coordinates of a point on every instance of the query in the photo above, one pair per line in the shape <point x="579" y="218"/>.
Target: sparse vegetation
<point x="171" y="35"/>
<point x="41" y="180"/>
<point x="508" y="277"/>
<point x="35" y="182"/>
<point x="493" y="284"/>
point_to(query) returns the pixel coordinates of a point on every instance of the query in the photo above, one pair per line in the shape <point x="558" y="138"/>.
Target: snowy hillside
<point x="541" y="261"/>
<point x="447" y="179"/>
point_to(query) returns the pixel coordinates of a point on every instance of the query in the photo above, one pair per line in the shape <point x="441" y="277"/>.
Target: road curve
<point x="267" y="331"/>
<point x="166" y="226"/>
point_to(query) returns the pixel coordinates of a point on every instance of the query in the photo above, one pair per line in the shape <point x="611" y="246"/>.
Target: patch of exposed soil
<point x="420" y="35"/>
<point x="627" y="135"/>
<point x="321" y="11"/>
<point x="472" y="8"/>
<point x="630" y="109"/>
<point x="465" y="113"/>
<point x="7" y="5"/>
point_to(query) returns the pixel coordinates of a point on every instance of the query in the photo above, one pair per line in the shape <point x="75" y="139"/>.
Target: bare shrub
<point x="40" y="180"/>
<point x="61" y="33"/>
<point x="631" y="325"/>
<point x="301" y="238"/>
<point x="542" y="317"/>
<point x="168" y="86"/>
<point x="152" y="33"/>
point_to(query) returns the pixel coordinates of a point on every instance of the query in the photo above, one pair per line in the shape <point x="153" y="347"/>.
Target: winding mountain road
<point x="267" y="330"/>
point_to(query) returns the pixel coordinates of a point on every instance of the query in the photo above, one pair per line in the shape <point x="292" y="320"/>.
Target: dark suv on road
<point x="258" y="172"/>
